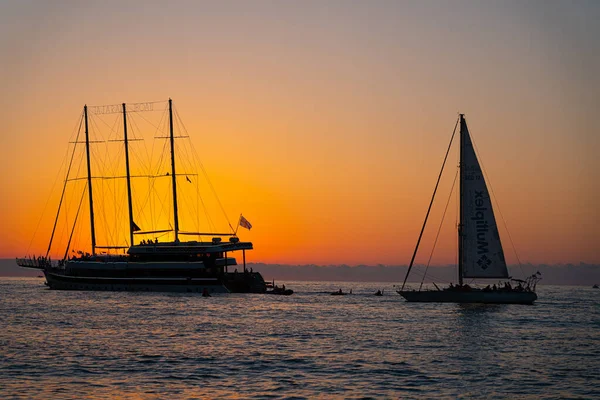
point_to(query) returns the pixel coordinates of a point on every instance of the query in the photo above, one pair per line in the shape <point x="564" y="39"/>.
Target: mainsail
<point x="482" y="254"/>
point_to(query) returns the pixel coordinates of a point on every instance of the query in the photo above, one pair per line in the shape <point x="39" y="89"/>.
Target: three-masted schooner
<point x="173" y="266"/>
<point x="480" y="253"/>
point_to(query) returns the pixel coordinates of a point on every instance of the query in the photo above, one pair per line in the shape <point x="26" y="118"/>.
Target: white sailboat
<point x="480" y="253"/>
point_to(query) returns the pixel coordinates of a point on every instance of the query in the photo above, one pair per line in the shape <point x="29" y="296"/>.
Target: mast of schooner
<point x="89" y="179"/>
<point x="173" y="177"/>
<point x="128" y="176"/>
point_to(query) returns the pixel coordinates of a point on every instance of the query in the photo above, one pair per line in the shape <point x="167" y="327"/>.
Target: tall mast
<point x="89" y="178"/>
<point x="173" y="177"/>
<point x="128" y="176"/>
<point x="463" y="128"/>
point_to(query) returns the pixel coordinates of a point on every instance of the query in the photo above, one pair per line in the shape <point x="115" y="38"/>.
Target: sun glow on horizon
<point x="324" y="125"/>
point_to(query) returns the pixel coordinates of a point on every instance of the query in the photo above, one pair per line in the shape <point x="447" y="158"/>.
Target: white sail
<point x="482" y="254"/>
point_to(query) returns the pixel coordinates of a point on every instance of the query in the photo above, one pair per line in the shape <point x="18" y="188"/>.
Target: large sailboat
<point x="480" y="252"/>
<point x="167" y="266"/>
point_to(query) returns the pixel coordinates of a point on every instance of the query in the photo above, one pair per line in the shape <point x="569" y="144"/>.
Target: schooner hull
<point x="182" y="285"/>
<point x="446" y="296"/>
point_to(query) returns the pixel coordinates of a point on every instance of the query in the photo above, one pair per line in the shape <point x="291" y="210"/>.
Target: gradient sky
<point x="324" y="122"/>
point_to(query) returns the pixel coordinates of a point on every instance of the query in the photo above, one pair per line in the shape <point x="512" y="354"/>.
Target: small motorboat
<point x="595" y="286"/>
<point x="280" y="291"/>
<point x="338" y="293"/>
<point x="379" y="293"/>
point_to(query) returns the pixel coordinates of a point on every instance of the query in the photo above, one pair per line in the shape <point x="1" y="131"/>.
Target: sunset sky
<point x="323" y="122"/>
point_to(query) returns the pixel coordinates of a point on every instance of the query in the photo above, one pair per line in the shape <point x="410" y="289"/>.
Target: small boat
<point x="272" y="288"/>
<point x="338" y="293"/>
<point x="480" y="252"/>
<point x="280" y="291"/>
<point x="595" y="286"/>
<point x="379" y="293"/>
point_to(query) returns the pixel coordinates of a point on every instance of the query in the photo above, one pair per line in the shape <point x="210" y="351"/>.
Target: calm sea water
<point x="56" y="344"/>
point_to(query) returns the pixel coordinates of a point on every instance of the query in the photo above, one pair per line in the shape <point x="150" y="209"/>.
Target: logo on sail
<point x="481" y="224"/>
<point x="484" y="262"/>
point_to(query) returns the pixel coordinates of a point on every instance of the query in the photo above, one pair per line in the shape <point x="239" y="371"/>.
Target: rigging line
<point x="162" y="202"/>
<point x="195" y="153"/>
<point x="488" y="180"/>
<point x="435" y="277"/>
<point x="77" y="235"/>
<point x="133" y="127"/>
<point x="188" y="164"/>
<point x="163" y="120"/>
<point x="162" y="159"/>
<point x="112" y="129"/>
<point x="104" y="208"/>
<point x="155" y="126"/>
<point x="152" y="190"/>
<point x="211" y="225"/>
<point x="64" y="162"/>
<point x="62" y="196"/>
<point x="152" y="171"/>
<point x="75" y="221"/>
<point x="440" y="227"/>
<point x="100" y="160"/>
<point x="77" y="129"/>
<point x="146" y="166"/>
<point x="430" y="204"/>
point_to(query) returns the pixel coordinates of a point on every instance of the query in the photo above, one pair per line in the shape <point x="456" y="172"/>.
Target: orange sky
<point x="325" y="123"/>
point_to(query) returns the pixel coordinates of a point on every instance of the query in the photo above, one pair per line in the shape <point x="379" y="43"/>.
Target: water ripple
<point x="152" y="345"/>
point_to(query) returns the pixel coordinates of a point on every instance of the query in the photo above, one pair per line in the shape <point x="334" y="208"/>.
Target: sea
<point x="98" y="345"/>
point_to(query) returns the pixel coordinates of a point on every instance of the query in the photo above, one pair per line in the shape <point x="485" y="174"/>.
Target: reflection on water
<point x="154" y="345"/>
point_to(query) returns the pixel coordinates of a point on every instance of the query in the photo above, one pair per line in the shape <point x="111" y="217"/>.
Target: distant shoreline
<point x="561" y="274"/>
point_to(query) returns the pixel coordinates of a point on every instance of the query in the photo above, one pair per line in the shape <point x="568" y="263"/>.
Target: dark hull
<point x="186" y="285"/>
<point x="245" y="282"/>
<point x="478" y="296"/>
<point x="280" y="292"/>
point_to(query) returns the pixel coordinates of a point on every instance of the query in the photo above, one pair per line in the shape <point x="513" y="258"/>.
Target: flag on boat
<point x="245" y="223"/>
<point x="134" y="227"/>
